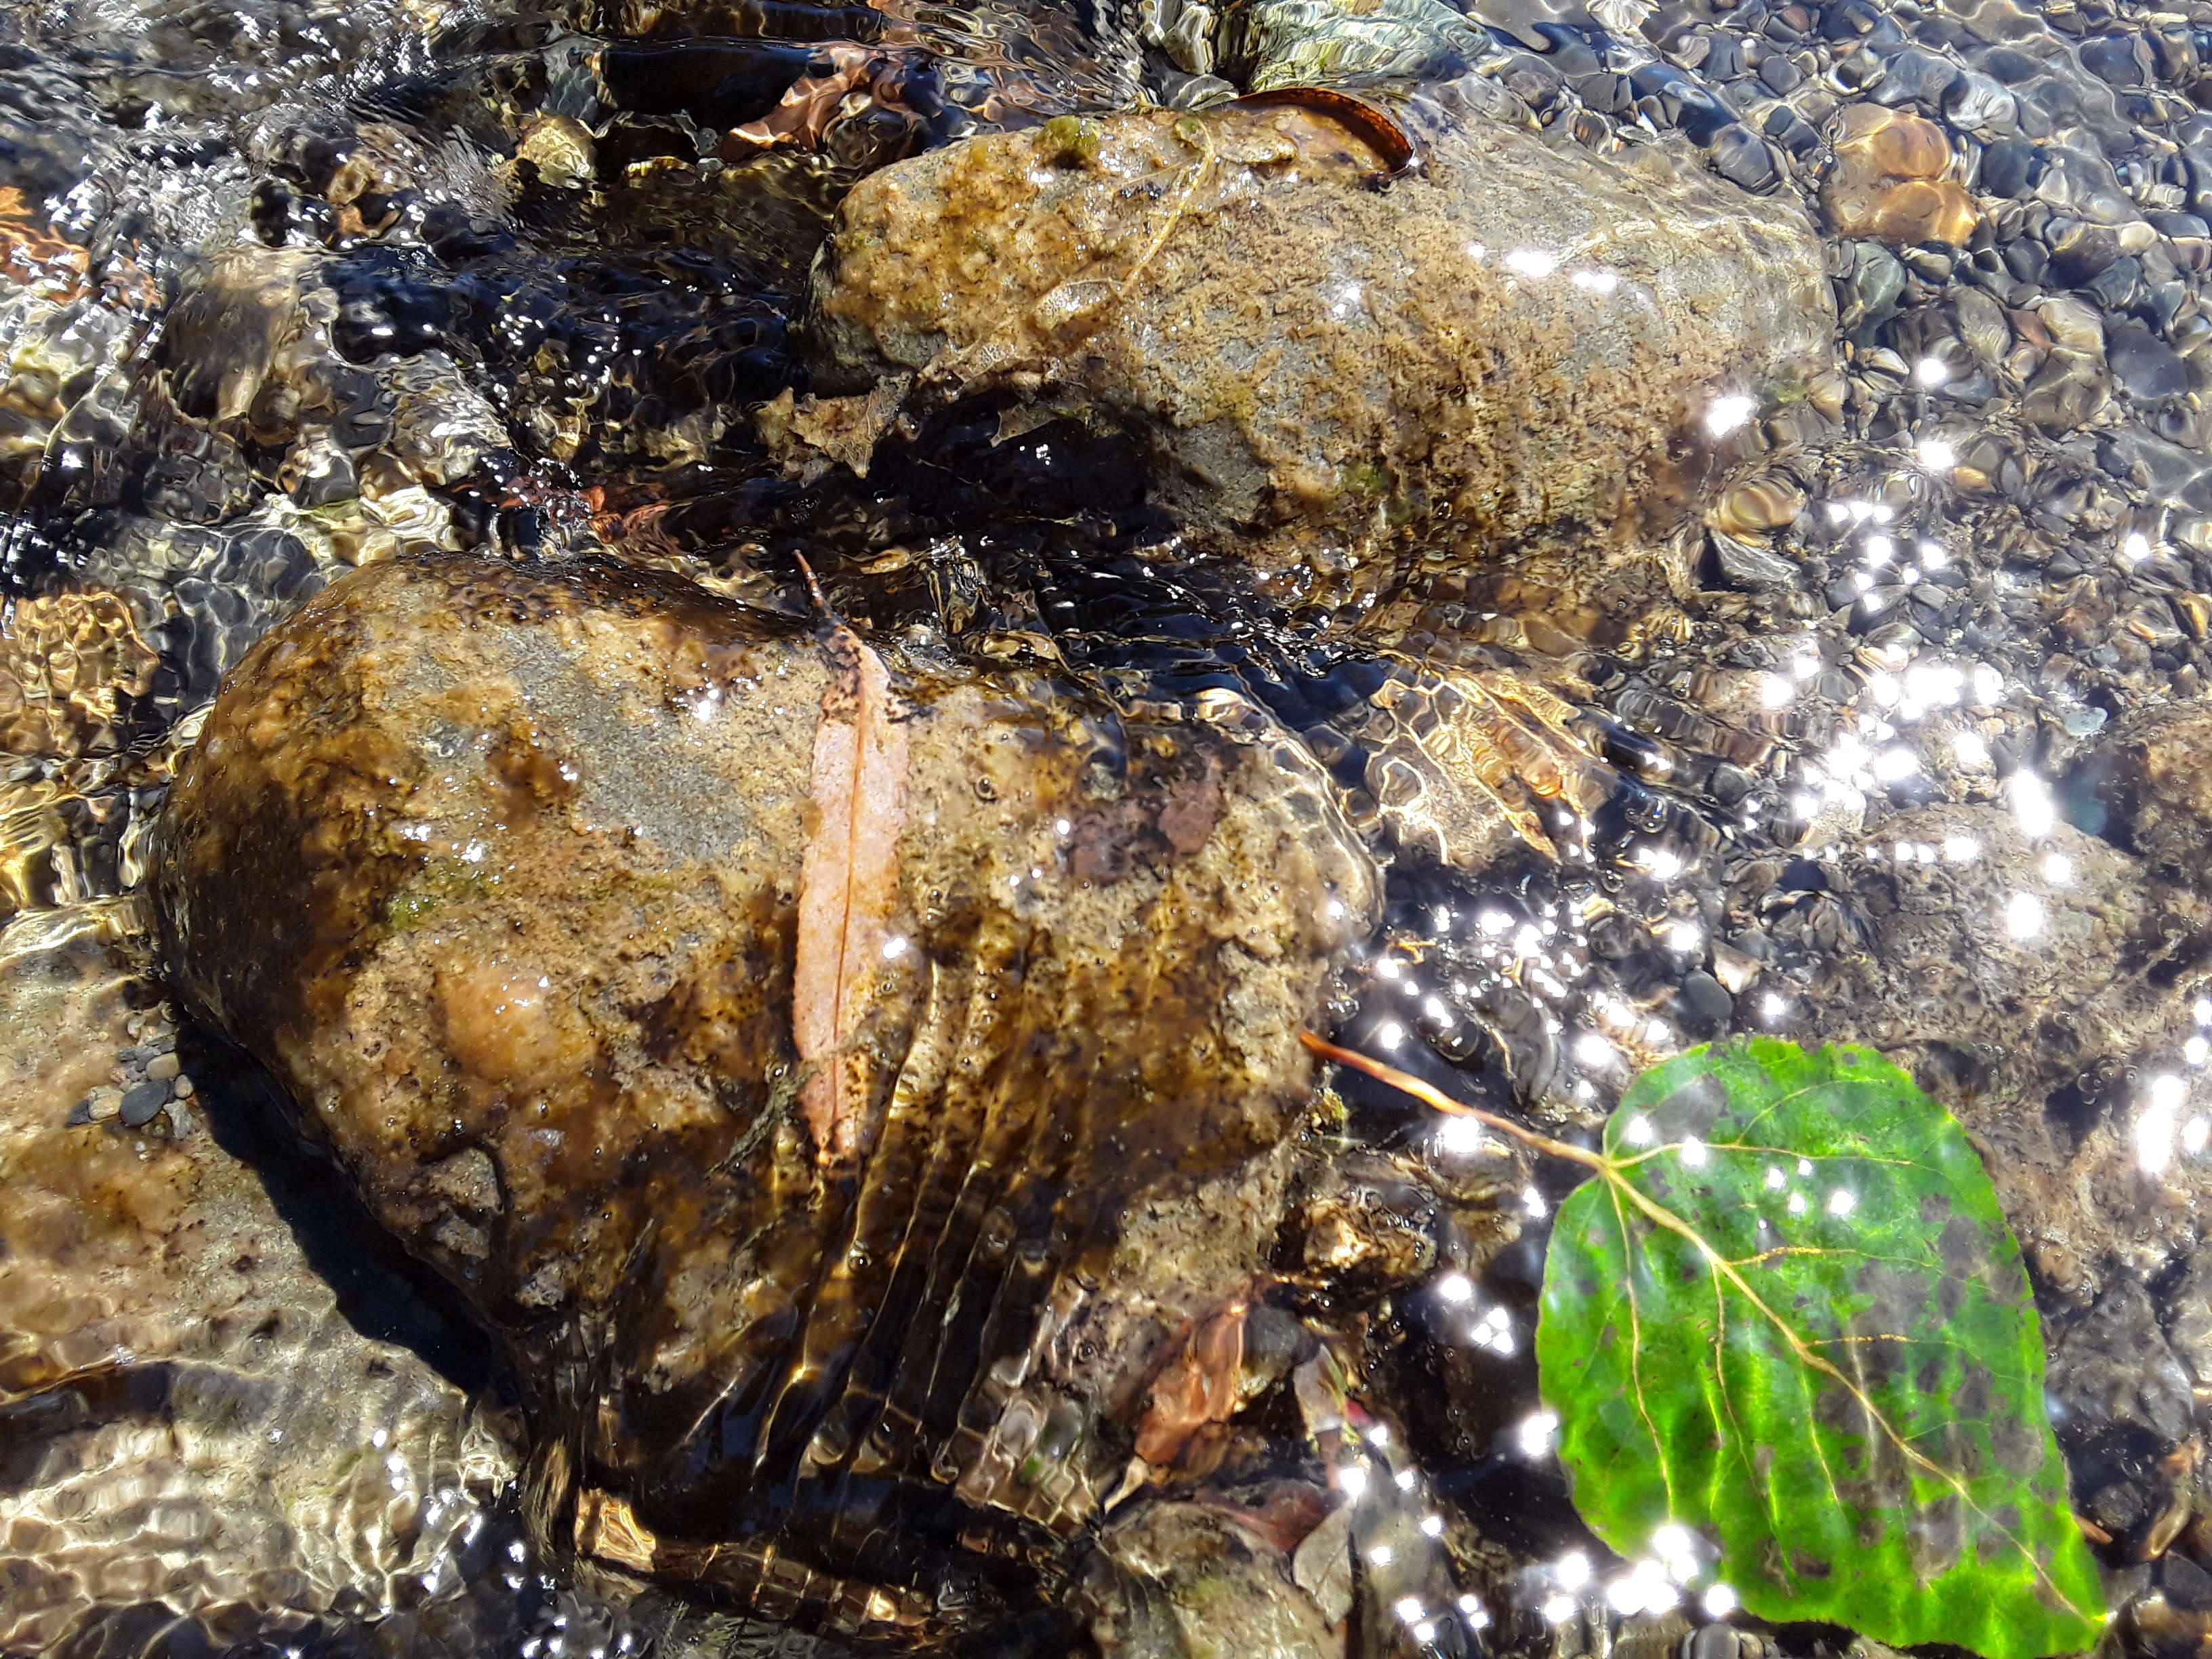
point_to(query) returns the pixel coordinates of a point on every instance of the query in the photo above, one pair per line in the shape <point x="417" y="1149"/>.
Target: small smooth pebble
<point x="142" y="1102"/>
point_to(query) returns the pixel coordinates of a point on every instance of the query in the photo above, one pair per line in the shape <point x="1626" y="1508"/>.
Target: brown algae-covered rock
<point x="525" y="881"/>
<point x="2149" y="775"/>
<point x="1516" y="342"/>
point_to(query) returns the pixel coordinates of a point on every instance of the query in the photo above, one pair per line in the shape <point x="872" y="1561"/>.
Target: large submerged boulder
<point x="842" y="1078"/>
<point x="1515" y="344"/>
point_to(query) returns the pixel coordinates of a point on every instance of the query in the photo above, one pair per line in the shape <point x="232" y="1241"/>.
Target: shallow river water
<point x="1868" y="707"/>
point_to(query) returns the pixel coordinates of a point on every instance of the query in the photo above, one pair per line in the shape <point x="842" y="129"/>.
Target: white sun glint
<point x="1937" y="455"/>
<point x="1643" y="1589"/>
<point x="2023" y="915"/>
<point x="1494" y="1331"/>
<point x="1571" y="1571"/>
<point x="2155" y="1128"/>
<point x="1895" y="763"/>
<point x="1459" y="1136"/>
<point x="1693" y="1152"/>
<point x="1842" y="1202"/>
<point x="1455" y="1287"/>
<point x="1639" y="1132"/>
<point x="1674" y="1544"/>
<point x="1726" y="414"/>
<point x="1531" y="262"/>
<point x="1720" y="1601"/>
<point x="2031" y="804"/>
<point x="1535" y="1432"/>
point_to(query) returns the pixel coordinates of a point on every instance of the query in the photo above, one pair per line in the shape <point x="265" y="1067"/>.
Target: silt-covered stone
<point x="1335" y="380"/>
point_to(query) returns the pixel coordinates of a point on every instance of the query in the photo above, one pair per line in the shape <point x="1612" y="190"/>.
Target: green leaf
<point x="1789" y="1314"/>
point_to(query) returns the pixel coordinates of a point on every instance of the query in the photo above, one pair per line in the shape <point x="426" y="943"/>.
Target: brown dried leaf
<point x="1199" y="1387"/>
<point x="847" y="886"/>
<point x="813" y="102"/>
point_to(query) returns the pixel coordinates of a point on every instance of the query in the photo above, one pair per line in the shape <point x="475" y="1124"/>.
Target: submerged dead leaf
<point x="1198" y="1388"/>
<point x="847" y="886"/>
<point x="803" y="119"/>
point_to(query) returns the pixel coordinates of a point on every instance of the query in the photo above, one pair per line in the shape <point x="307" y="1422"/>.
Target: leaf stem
<point x="1382" y="1072"/>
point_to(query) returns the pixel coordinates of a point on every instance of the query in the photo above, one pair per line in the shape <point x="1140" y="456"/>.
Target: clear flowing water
<point x="1913" y="760"/>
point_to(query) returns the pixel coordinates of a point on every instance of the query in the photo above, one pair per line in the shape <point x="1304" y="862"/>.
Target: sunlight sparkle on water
<point x="1459" y="1136"/>
<point x="2023" y="915"/>
<point x="2155" y="1132"/>
<point x="1643" y="1589"/>
<point x="1725" y="414"/>
<point x="2031" y="804"/>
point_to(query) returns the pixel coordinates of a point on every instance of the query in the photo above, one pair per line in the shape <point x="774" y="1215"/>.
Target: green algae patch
<point x="1789" y="1316"/>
